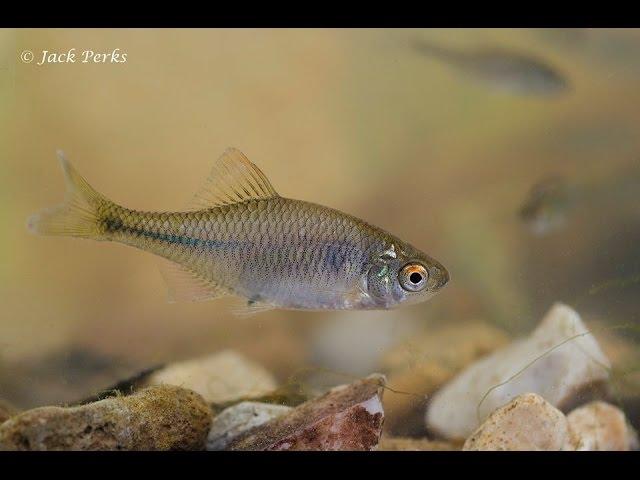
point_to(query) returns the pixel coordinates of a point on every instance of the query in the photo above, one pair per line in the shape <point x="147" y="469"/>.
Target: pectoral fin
<point x="246" y="308"/>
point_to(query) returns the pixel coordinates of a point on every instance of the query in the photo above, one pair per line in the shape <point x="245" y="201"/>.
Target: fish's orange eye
<point x="413" y="277"/>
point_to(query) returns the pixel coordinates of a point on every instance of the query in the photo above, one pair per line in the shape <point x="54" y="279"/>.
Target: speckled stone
<point x="348" y="417"/>
<point x="240" y="418"/>
<point x="157" y="418"/>
<point x="528" y="422"/>
<point x="601" y="426"/>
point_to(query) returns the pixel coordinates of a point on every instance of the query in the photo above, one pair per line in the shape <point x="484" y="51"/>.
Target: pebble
<point x="347" y="417"/>
<point x="601" y="426"/>
<point x="426" y="362"/>
<point x="156" y="418"/>
<point x="238" y="419"/>
<point x="528" y="422"/>
<point x="220" y="378"/>
<point x="555" y="361"/>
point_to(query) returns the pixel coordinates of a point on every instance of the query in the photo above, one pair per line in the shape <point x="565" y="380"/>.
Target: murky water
<point x="352" y="119"/>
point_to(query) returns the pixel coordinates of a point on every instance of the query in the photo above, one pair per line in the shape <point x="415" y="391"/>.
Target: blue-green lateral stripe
<point x="116" y="225"/>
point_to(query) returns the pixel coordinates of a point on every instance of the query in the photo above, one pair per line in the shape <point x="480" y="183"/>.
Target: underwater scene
<point x="320" y="239"/>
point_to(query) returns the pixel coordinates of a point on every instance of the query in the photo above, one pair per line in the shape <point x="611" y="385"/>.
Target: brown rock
<point x="528" y="422"/>
<point x="348" y="417"/>
<point x="405" y="444"/>
<point x="426" y="362"/>
<point x="601" y="426"/>
<point x="157" y="418"/>
<point x="451" y="346"/>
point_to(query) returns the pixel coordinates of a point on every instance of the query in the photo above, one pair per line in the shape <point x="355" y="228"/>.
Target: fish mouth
<point x="442" y="277"/>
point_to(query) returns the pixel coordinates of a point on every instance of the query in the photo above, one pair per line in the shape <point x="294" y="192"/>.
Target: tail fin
<point x="77" y="216"/>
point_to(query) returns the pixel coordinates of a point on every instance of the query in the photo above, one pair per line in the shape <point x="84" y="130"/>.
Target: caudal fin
<point x="77" y="216"/>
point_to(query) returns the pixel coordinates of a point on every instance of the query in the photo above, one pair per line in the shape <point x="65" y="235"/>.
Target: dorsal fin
<point x="233" y="179"/>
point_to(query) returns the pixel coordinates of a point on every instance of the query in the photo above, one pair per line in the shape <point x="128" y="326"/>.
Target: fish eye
<point x="413" y="277"/>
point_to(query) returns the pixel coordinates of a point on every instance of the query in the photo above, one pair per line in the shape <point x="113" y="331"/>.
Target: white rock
<point x="540" y="363"/>
<point x="528" y="422"/>
<point x="355" y="341"/>
<point x="237" y="419"/>
<point x="601" y="426"/>
<point x="222" y="377"/>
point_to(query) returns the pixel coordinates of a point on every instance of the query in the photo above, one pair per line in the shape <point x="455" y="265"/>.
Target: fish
<point x="546" y="207"/>
<point x="238" y="237"/>
<point x="554" y="199"/>
<point x="501" y="69"/>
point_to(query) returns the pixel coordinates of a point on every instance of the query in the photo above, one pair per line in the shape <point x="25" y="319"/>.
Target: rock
<point x="6" y="411"/>
<point x="555" y="361"/>
<point x="348" y="417"/>
<point x="336" y="343"/>
<point x="634" y="440"/>
<point x="601" y="426"/>
<point x="623" y="353"/>
<point x="287" y="395"/>
<point x="220" y="378"/>
<point x="426" y="362"/>
<point x="451" y="346"/>
<point x="404" y="444"/>
<point x="157" y="418"/>
<point x="531" y="423"/>
<point x="528" y="422"/>
<point x="236" y="420"/>
<point x="631" y="407"/>
<point x="404" y="411"/>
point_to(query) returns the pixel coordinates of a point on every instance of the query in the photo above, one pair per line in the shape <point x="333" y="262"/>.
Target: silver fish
<point x="241" y="238"/>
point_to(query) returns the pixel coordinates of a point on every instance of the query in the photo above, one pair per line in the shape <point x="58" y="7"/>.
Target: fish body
<point x="241" y="238"/>
<point x="501" y="69"/>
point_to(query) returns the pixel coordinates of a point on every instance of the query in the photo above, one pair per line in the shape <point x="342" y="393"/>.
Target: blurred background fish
<point x="552" y="201"/>
<point x="500" y="68"/>
<point x="546" y="207"/>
